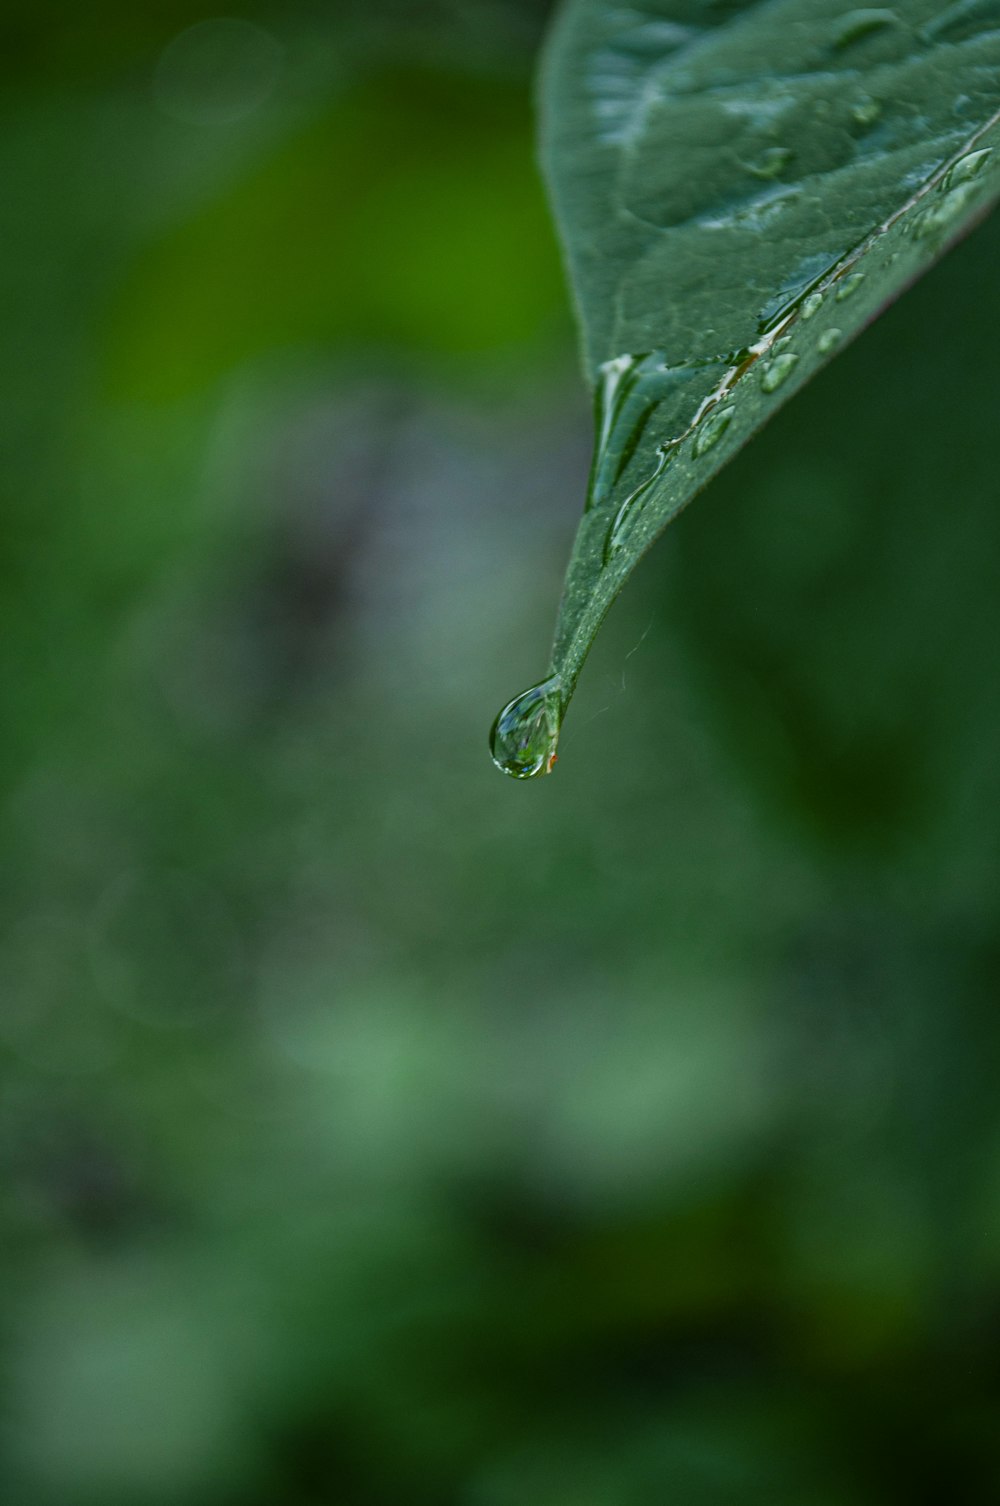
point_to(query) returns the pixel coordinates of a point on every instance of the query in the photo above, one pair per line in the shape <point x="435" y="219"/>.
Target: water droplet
<point x="788" y="299"/>
<point x="828" y="340"/>
<point x="525" y="734"/>
<point x="858" y="24"/>
<point x="778" y="371"/>
<point x="711" y="431"/>
<point x="812" y="305"/>
<point x="938" y="217"/>
<point x="969" y="166"/>
<point x="772" y="161"/>
<point x="633" y="503"/>
<point x="849" y="285"/>
<point x="866" y="111"/>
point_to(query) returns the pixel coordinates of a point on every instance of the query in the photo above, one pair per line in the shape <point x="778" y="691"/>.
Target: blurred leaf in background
<point x="373" y="1128"/>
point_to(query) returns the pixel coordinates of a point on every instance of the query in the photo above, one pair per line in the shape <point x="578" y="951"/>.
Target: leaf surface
<point x="740" y="187"/>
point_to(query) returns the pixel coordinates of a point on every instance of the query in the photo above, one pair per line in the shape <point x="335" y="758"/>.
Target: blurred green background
<point x="374" y="1128"/>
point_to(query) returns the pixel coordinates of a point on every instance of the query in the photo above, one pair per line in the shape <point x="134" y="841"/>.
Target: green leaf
<point x="740" y="188"/>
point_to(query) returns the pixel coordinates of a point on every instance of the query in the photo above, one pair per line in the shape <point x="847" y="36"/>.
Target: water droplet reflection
<point x="525" y="735"/>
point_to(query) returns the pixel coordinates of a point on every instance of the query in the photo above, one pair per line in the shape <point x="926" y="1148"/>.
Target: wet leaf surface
<point x="740" y="189"/>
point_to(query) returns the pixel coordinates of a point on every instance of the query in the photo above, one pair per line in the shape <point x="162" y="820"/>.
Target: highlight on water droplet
<point x="849" y="285"/>
<point x="829" y="340"/>
<point x="711" y="431"/>
<point x="525" y="735"/>
<point x="812" y="305"/>
<point x="778" y="371"/>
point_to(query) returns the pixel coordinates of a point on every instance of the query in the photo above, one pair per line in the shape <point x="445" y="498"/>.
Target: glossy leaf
<point x="740" y="189"/>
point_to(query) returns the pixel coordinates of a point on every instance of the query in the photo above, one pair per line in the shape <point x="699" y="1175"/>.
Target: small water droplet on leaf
<point x="777" y="372"/>
<point x="849" y="285"/>
<point x="711" y="431"/>
<point x="937" y="218"/>
<point x="966" y="167"/>
<point x="812" y="305"/>
<point x="828" y="340"/>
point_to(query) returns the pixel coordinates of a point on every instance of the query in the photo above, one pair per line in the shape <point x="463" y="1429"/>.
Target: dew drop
<point x="828" y="340"/>
<point x="711" y="431"/>
<point x="778" y="371"/>
<point x="849" y="285"/>
<point x="525" y="735"/>
<point x="969" y="166"/>
<point x="938" y="217"/>
<point x="812" y="305"/>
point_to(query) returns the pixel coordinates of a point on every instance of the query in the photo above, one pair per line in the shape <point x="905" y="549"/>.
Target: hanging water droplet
<point x="633" y="504"/>
<point x="711" y="431"/>
<point x="778" y="371"/>
<point x="526" y="733"/>
<point x="849" y="285"/>
<point x="828" y="340"/>
<point x="812" y="305"/>
<point x="966" y="167"/>
<point x="772" y="161"/>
